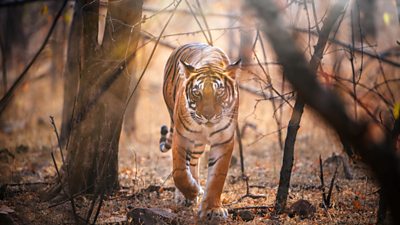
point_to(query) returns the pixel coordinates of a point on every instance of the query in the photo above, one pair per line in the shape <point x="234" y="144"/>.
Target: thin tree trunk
<point x="294" y="123"/>
<point x="288" y="156"/>
<point x="103" y="73"/>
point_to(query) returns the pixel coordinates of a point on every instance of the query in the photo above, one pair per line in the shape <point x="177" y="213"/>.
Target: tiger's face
<point x="211" y="93"/>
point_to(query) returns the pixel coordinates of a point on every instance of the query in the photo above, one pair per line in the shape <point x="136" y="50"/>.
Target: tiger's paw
<point x="213" y="216"/>
<point x="181" y="200"/>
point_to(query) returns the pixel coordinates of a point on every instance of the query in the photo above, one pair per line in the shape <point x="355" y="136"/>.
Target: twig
<point x="278" y="120"/>
<point x="309" y="27"/>
<point x="205" y="22"/>
<point x="7" y="97"/>
<point x="29" y="184"/>
<point x="349" y="47"/>
<point x="321" y="177"/>
<point x="261" y="207"/>
<point x="198" y="23"/>
<point x="9" y="3"/>
<point x="183" y="11"/>
<point x="315" y="16"/>
<point x="90" y="211"/>
<point x="150" y="57"/>
<point x="98" y="208"/>
<point x="73" y="196"/>
<point x="62" y="186"/>
<point x="58" y="138"/>
<point x="353" y="72"/>
<point x="244" y="176"/>
<point x="269" y="80"/>
<point x="328" y="198"/>
<point x="3" y="64"/>
<point x="265" y="135"/>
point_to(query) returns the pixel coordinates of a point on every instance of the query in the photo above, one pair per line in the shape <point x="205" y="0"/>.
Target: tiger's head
<point x="211" y="91"/>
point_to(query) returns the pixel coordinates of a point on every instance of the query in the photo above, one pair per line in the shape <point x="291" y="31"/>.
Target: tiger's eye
<point x="196" y="91"/>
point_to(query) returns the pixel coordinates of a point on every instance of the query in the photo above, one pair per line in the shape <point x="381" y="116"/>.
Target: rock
<point x="148" y="216"/>
<point x="6" y="219"/>
<point x="5" y="215"/>
<point x="246" y="215"/>
<point x="22" y="149"/>
<point x="302" y="208"/>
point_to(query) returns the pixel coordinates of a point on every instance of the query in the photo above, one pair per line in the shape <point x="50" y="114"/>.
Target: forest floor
<point x="26" y="167"/>
<point x="27" y="170"/>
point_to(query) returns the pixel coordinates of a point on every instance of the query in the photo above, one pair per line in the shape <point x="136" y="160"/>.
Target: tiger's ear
<point x="186" y="68"/>
<point x="232" y="69"/>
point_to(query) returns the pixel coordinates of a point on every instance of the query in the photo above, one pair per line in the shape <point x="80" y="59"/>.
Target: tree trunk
<point x="288" y="155"/>
<point x="294" y="123"/>
<point x="99" y="76"/>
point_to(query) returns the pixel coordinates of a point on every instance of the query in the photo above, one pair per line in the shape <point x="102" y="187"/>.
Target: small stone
<point x="22" y="149"/>
<point x="148" y="216"/>
<point x="302" y="208"/>
<point x="246" y="215"/>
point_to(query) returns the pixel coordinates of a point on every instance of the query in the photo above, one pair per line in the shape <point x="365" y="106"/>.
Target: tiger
<point x="201" y="93"/>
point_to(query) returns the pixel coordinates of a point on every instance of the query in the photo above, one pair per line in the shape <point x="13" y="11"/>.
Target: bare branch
<point x="377" y="153"/>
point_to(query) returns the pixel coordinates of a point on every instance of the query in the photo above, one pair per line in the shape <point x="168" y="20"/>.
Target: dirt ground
<point x="27" y="168"/>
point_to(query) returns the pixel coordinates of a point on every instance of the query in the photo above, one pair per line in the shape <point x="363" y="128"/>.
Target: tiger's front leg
<point x="211" y="207"/>
<point x="183" y="178"/>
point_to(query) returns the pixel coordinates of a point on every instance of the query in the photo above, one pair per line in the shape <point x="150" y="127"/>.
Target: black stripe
<point x="222" y="143"/>
<point x="193" y="164"/>
<point x="197" y="152"/>
<point x="184" y="125"/>
<point x="224" y="128"/>
<point x="211" y="162"/>
<point x="190" y="140"/>
<point x="175" y="62"/>
<point x="175" y="79"/>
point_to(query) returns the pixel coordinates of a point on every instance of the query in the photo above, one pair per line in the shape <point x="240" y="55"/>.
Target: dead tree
<point x="376" y="152"/>
<point x="100" y="89"/>
<point x="294" y="123"/>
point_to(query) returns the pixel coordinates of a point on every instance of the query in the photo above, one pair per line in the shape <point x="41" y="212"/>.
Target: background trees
<point x="356" y="59"/>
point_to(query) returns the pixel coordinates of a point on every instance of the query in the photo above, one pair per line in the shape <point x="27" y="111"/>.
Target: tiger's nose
<point x="208" y="112"/>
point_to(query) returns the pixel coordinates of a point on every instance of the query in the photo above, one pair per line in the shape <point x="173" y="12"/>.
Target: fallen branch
<point x="261" y="207"/>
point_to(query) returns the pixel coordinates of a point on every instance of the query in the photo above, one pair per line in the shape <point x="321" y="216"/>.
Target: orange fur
<point x="202" y="97"/>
